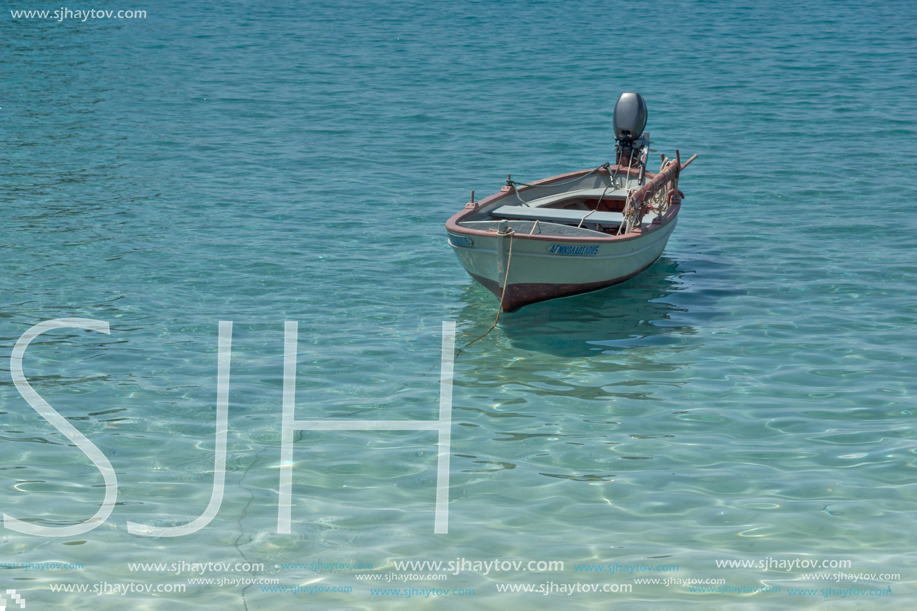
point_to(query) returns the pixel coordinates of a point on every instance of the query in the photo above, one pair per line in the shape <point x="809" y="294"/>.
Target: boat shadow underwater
<point x="633" y="314"/>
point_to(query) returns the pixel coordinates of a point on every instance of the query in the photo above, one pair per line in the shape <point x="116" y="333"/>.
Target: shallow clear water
<point x="749" y="397"/>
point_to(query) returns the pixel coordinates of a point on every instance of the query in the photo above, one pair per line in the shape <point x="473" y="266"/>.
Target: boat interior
<point x="591" y="206"/>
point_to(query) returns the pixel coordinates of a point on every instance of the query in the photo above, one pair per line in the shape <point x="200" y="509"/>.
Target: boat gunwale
<point x="596" y="257"/>
<point x="453" y="223"/>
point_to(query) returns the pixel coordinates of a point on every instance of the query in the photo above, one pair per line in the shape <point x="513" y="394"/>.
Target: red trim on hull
<point x="526" y="293"/>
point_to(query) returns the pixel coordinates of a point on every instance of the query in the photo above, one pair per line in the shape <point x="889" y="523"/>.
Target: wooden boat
<point x="575" y="232"/>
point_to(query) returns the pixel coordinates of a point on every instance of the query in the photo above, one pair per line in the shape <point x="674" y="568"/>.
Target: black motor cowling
<point x="630" y="118"/>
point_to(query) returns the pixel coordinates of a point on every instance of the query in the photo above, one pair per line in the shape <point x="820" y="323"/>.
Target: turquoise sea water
<point x="750" y="397"/>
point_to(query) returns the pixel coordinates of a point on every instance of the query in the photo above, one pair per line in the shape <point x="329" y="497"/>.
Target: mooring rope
<point x="625" y="225"/>
<point x="509" y="232"/>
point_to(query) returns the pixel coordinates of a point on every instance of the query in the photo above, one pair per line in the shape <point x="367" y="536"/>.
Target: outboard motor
<point x="629" y="122"/>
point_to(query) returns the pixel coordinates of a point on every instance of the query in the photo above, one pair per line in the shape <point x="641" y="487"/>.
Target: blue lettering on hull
<point x="574" y="251"/>
<point x="460" y="240"/>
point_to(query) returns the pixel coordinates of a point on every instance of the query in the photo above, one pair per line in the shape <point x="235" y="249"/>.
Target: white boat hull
<point x="536" y="274"/>
<point x="522" y="267"/>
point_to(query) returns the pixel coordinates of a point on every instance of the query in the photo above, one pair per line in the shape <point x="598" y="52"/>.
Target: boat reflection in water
<point x="624" y="316"/>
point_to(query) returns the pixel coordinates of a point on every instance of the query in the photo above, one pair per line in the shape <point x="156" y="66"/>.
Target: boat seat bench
<point x="605" y="193"/>
<point x="556" y="214"/>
